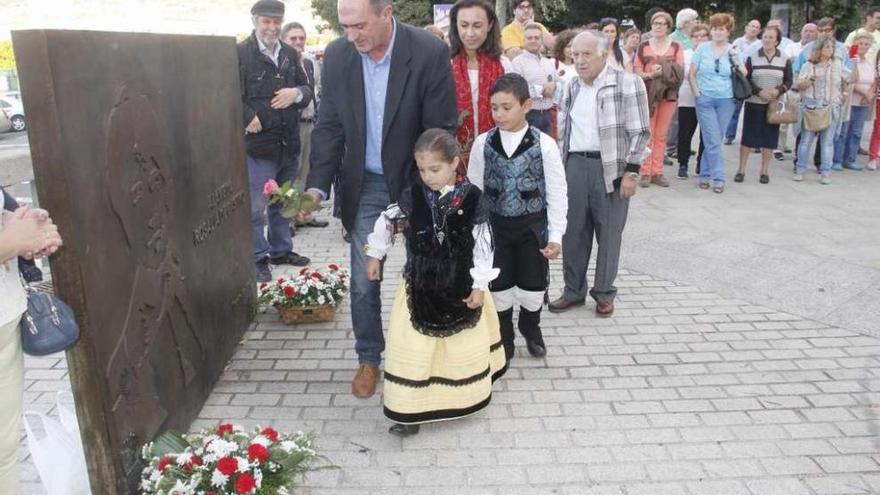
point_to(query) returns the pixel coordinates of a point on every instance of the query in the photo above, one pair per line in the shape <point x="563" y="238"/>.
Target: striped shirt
<point x="768" y="73"/>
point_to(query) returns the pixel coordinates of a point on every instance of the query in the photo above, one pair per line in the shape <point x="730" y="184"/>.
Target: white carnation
<point x="243" y="464"/>
<point x="218" y="479"/>
<point x="261" y="440"/>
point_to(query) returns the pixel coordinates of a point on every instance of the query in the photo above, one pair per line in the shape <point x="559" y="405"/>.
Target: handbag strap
<point x="26" y="286"/>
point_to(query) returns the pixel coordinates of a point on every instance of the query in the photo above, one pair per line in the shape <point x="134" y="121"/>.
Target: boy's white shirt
<point x="554" y="175"/>
<point x="379" y="242"/>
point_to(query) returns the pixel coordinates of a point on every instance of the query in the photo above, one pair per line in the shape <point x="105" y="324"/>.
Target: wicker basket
<point x="307" y="314"/>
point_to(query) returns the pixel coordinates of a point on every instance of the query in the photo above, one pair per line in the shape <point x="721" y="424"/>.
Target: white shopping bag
<point x="58" y="454"/>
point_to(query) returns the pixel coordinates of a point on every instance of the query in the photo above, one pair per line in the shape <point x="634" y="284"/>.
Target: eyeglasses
<point x="717" y="65"/>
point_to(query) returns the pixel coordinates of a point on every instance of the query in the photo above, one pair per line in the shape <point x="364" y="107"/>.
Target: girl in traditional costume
<point x="444" y="346"/>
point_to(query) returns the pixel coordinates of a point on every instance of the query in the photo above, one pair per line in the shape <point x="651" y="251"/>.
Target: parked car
<point x="15" y="110"/>
<point x="5" y="122"/>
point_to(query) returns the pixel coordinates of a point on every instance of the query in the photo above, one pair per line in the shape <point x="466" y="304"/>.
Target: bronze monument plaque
<point x="138" y="150"/>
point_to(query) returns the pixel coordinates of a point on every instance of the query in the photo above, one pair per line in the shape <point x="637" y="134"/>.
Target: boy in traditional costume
<point x="520" y="170"/>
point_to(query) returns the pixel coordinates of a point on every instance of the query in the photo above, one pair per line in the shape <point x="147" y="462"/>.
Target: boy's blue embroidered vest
<point x="515" y="185"/>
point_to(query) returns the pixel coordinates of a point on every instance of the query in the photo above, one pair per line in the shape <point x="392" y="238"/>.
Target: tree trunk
<point x="501" y="11"/>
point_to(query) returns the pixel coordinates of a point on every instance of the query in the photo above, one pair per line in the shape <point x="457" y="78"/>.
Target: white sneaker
<point x="798" y="177"/>
<point x="825" y="180"/>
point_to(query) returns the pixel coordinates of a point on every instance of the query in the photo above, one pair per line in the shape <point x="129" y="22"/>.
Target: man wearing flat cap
<point x="274" y="90"/>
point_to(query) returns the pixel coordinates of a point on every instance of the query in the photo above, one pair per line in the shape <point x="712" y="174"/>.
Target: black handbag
<point x="48" y="326"/>
<point x="742" y="88"/>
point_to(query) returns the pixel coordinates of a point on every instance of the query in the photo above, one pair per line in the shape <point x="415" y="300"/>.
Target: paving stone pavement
<point x="683" y="391"/>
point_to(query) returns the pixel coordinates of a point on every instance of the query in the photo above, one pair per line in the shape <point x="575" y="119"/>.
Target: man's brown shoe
<point x="363" y="385"/>
<point x="604" y="310"/>
<point x="562" y="304"/>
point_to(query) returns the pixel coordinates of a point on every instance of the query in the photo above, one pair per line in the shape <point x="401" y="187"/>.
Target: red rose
<point x="304" y="271"/>
<point x="316" y="275"/>
<point x="196" y="460"/>
<point x="245" y="483"/>
<point x="270" y="434"/>
<point x="257" y="452"/>
<point x="223" y="429"/>
<point x="289" y="291"/>
<point x="333" y="266"/>
<point x="263" y="285"/>
<point x="227" y="466"/>
<point x="164" y="463"/>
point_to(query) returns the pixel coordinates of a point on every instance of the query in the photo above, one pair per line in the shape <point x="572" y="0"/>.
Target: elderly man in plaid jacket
<point x="604" y="140"/>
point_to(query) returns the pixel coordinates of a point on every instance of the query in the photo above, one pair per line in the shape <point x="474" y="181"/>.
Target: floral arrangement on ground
<point x="228" y="461"/>
<point x="309" y="288"/>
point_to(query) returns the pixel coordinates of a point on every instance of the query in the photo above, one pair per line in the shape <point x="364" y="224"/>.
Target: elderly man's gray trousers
<point x="591" y="210"/>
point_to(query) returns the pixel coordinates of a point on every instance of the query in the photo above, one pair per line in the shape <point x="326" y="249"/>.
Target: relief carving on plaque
<point x="158" y="348"/>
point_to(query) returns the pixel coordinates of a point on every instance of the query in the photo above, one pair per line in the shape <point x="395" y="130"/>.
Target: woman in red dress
<point x="475" y="43"/>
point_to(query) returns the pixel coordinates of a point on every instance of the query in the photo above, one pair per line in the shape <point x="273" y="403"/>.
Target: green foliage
<point x="416" y="12"/>
<point x="7" y="56"/>
<point x="326" y="9"/>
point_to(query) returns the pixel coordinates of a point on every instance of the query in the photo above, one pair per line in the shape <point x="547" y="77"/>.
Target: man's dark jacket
<point x="260" y="79"/>
<point x="421" y="95"/>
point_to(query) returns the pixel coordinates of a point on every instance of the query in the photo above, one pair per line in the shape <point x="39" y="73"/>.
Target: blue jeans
<point x="826" y="145"/>
<point x="278" y="242"/>
<point x="366" y="303"/>
<point x="846" y="146"/>
<point x="730" y="134"/>
<point x="713" y="114"/>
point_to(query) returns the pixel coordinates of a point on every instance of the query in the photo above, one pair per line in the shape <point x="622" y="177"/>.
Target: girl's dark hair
<point x="492" y="45"/>
<point x="615" y="45"/>
<point x="514" y="84"/>
<point x="438" y="141"/>
<point x="563" y="39"/>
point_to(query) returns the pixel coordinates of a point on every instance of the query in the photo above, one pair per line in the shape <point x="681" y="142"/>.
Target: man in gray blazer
<point x="384" y="83"/>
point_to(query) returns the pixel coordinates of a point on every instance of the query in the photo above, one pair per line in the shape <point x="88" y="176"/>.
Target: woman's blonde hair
<point x="821" y="41"/>
<point x="863" y="33"/>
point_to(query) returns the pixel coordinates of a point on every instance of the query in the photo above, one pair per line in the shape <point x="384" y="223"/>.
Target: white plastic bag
<point x="58" y="454"/>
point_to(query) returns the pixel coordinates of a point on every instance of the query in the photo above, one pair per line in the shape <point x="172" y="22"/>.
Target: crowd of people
<point x="537" y="140"/>
<point x="687" y="66"/>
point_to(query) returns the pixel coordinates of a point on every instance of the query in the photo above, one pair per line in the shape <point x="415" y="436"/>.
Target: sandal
<point x="704" y="185"/>
<point x="718" y="189"/>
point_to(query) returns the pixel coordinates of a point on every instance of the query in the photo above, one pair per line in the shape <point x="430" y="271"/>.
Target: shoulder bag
<point x="48" y="326"/>
<point x="781" y="111"/>
<point x="742" y="88"/>
<point x="817" y="119"/>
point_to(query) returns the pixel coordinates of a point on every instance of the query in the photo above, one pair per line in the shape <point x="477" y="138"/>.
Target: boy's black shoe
<point x="530" y="327"/>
